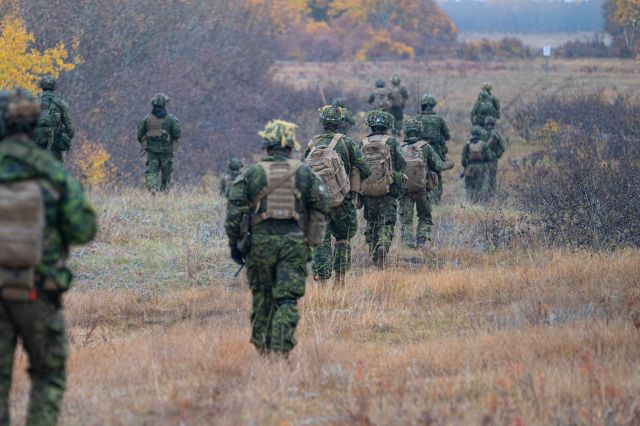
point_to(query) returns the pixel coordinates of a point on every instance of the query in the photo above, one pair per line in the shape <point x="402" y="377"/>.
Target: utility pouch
<point x="356" y="181"/>
<point x="316" y="228"/>
<point x="17" y="285"/>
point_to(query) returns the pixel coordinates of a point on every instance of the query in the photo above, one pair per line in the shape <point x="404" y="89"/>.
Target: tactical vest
<point x="158" y="139"/>
<point x="50" y="133"/>
<point x="378" y="155"/>
<point x="432" y="128"/>
<point x="327" y="163"/>
<point x="476" y="152"/>
<point x="280" y="195"/>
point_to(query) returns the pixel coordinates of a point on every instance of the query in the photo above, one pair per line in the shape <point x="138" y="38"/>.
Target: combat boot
<point x="339" y="280"/>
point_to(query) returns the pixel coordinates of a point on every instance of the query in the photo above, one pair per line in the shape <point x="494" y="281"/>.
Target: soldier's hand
<point x="236" y="254"/>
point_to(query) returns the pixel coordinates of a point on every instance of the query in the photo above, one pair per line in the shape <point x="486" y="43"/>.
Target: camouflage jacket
<point x="170" y="124"/>
<point x="248" y="185"/>
<point x="67" y="129"/>
<point x="350" y="153"/>
<point x="496" y="143"/>
<point x="399" y="166"/>
<point x="227" y="180"/>
<point x="433" y="160"/>
<point x="486" y="152"/>
<point x="70" y="219"/>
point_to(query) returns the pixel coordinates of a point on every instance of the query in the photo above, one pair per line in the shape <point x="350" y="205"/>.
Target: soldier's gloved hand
<point x="236" y="254"/>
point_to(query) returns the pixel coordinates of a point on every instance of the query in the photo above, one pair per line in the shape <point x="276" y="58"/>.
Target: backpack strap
<point x="336" y="138"/>
<point x="36" y="159"/>
<point x="275" y="185"/>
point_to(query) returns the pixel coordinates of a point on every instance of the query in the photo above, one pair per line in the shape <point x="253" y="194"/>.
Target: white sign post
<point x="546" y="52"/>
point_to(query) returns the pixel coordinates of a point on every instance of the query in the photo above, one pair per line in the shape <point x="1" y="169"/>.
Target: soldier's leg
<point x="344" y="228"/>
<point x="388" y="217"/>
<point x="8" y="340"/>
<point x="406" y="220"/>
<point x="436" y="194"/>
<point x="425" y="220"/>
<point x="289" y="286"/>
<point x="166" y="167"/>
<point x="153" y="169"/>
<point x="44" y="335"/>
<point x="323" y="256"/>
<point x="371" y="216"/>
<point x="261" y="275"/>
<point x="493" y="177"/>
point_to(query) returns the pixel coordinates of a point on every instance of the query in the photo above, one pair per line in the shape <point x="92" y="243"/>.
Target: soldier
<point x="487" y="105"/>
<point x="422" y="165"/>
<point x="159" y="134"/>
<point x="436" y="132"/>
<point x="285" y="204"/>
<point x="348" y="121"/>
<point x="497" y="144"/>
<point x="475" y="157"/>
<point x="55" y="127"/>
<point x="399" y="96"/>
<point x="234" y="169"/>
<point x="380" y="98"/>
<point x="43" y="210"/>
<point x="487" y="87"/>
<point x="383" y="187"/>
<point x="325" y="154"/>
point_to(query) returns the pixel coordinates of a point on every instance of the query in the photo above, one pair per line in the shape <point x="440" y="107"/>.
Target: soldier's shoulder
<point x="172" y="117"/>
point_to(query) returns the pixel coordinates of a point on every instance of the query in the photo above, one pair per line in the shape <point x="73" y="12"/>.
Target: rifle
<point x="324" y="98"/>
<point x="238" y="271"/>
<point x="418" y="95"/>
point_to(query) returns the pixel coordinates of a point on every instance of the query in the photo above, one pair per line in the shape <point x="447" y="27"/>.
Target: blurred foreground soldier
<point x="498" y="145"/>
<point x="43" y="210"/>
<point x="159" y="134"/>
<point x="475" y="158"/>
<point x="436" y="133"/>
<point x="234" y="169"/>
<point x="341" y="166"/>
<point x="384" y="186"/>
<point x="55" y="127"/>
<point x="487" y="105"/>
<point x="380" y="98"/>
<point x="399" y="96"/>
<point x="276" y="213"/>
<point x="348" y="121"/>
<point x="423" y="164"/>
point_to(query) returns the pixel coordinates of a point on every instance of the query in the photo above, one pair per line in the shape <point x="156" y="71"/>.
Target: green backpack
<point x="49" y="133"/>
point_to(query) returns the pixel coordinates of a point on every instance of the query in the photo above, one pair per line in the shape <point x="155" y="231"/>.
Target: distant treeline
<point x="525" y="16"/>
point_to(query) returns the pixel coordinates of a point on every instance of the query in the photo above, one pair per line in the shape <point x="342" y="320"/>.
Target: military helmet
<point x="235" y="163"/>
<point x="48" y="82"/>
<point x="490" y="121"/>
<point x="339" y="102"/>
<point x="477" y="132"/>
<point x="331" y="115"/>
<point x="20" y="111"/>
<point x="160" y="100"/>
<point x="428" y="100"/>
<point x="413" y="126"/>
<point x="378" y="118"/>
<point x="380" y="84"/>
<point x="395" y="80"/>
<point x="487" y="87"/>
<point x="279" y="133"/>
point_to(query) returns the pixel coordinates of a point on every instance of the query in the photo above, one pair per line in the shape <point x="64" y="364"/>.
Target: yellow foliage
<point x="21" y="65"/>
<point x="381" y="44"/>
<point x="282" y="13"/>
<point x="628" y="12"/>
<point x="93" y="161"/>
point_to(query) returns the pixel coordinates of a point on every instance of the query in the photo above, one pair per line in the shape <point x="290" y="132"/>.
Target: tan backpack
<point x="378" y="155"/>
<point x="155" y="129"/>
<point x="22" y="221"/>
<point x="327" y="163"/>
<point x="476" y="152"/>
<point x="417" y="168"/>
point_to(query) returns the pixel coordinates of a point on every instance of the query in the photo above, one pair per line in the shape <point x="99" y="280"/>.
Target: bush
<point x="583" y="187"/>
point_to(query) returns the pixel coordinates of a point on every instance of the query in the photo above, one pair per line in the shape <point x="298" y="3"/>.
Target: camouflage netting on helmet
<point x="48" y="82"/>
<point x="395" y="80"/>
<point x="490" y="121"/>
<point x="413" y="127"/>
<point x="487" y="87"/>
<point x="235" y="164"/>
<point x="160" y="100"/>
<point x="331" y="115"/>
<point x="477" y="132"/>
<point x="380" y="83"/>
<point x="279" y="133"/>
<point x="21" y="111"/>
<point x="377" y="118"/>
<point x="428" y="100"/>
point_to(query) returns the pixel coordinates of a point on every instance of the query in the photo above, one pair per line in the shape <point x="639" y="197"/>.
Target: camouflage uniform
<point x="380" y="98"/>
<point x="497" y="144"/>
<point x="64" y="128"/>
<point x="487" y="105"/>
<point x="381" y="213"/>
<point x="399" y="96"/>
<point x="159" y="147"/>
<point x="348" y="121"/>
<point x="234" y="169"/>
<point x="343" y="219"/>
<point x="436" y="132"/>
<point x="39" y="322"/>
<point x="279" y="252"/>
<point x="413" y="131"/>
<point x="476" y="176"/>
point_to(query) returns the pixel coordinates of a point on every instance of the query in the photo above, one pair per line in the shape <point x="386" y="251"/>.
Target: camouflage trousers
<point x="41" y="327"/>
<point x="277" y="273"/>
<point x="492" y="171"/>
<point x="158" y="173"/>
<point x="342" y="224"/>
<point x="476" y="182"/>
<point x="398" y="114"/>
<point x="425" y="221"/>
<point x="381" y="216"/>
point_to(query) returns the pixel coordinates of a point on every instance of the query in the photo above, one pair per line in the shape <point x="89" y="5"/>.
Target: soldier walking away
<point x="341" y="165"/>
<point x="486" y="105"/>
<point x="159" y="134"/>
<point x="399" y="96"/>
<point x="55" y="127"/>
<point x="275" y="214"/>
<point x="423" y="164"/>
<point x="384" y="186"/>
<point x="498" y="145"/>
<point x="348" y="121"/>
<point x="234" y="169"/>
<point x="380" y="98"/>
<point x="475" y="157"/>
<point x="436" y="133"/>
<point x="43" y="210"/>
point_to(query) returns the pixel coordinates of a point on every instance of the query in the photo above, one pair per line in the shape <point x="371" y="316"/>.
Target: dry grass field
<point x="486" y="327"/>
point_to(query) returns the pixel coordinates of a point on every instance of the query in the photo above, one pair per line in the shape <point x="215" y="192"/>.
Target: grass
<point x="485" y="327"/>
